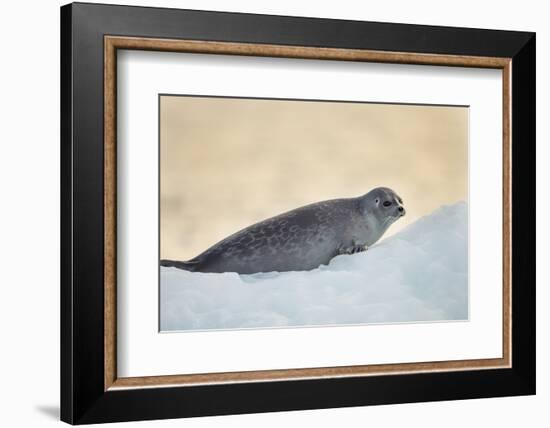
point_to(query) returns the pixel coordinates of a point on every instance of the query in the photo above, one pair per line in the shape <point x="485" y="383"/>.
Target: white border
<point x="142" y="351"/>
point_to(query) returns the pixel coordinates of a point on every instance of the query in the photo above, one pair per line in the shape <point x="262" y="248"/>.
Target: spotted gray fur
<point x="304" y="238"/>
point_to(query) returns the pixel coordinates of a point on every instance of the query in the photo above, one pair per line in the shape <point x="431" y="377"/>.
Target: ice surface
<point x="419" y="274"/>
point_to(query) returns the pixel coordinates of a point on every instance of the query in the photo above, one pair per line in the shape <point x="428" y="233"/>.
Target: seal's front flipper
<point x="353" y="249"/>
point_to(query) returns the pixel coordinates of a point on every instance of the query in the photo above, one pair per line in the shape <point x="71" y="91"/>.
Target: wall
<point x="29" y="232"/>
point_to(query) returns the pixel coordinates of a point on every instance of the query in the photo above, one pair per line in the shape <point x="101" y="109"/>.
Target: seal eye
<point x="387" y="203"/>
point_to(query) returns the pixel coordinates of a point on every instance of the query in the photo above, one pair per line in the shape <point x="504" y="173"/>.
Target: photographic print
<point x="302" y="199"/>
<point x="296" y="213"/>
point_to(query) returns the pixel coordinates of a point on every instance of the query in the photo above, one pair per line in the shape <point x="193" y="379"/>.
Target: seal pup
<point x="304" y="238"/>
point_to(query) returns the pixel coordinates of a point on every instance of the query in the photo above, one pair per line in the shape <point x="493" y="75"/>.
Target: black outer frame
<point x="83" y="399"/>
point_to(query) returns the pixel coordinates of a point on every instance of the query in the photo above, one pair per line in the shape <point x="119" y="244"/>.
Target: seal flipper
<point x="190" y="265"/>
<point x="353" y="249"/>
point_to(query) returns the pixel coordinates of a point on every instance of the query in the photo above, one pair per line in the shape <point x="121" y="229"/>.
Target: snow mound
<point x="419" y="274"/>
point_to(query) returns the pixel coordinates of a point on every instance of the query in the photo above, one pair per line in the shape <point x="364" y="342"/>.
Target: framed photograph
<point x="265" y="213"/>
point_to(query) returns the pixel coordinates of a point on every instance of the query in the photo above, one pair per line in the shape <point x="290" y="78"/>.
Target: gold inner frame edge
<point x="113" y="43"/>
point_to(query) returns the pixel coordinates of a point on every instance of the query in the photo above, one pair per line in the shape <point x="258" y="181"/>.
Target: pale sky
<point x="228" y="163"/>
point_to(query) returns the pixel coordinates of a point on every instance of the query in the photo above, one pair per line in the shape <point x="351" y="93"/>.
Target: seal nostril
<point x="401" y="209"/>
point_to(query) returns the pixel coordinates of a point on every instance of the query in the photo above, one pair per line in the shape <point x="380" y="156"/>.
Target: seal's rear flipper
<point x="190" y="265"/>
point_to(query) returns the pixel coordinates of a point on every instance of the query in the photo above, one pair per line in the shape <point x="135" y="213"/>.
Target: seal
<point x="304" y="238"/>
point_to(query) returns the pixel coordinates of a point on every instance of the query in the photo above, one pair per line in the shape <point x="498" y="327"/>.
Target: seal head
<point x="381" y="207"/>
<point x="304" y="238"/>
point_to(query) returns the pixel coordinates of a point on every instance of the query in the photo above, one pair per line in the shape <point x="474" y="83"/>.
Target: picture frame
<point x="91" y="390"/>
